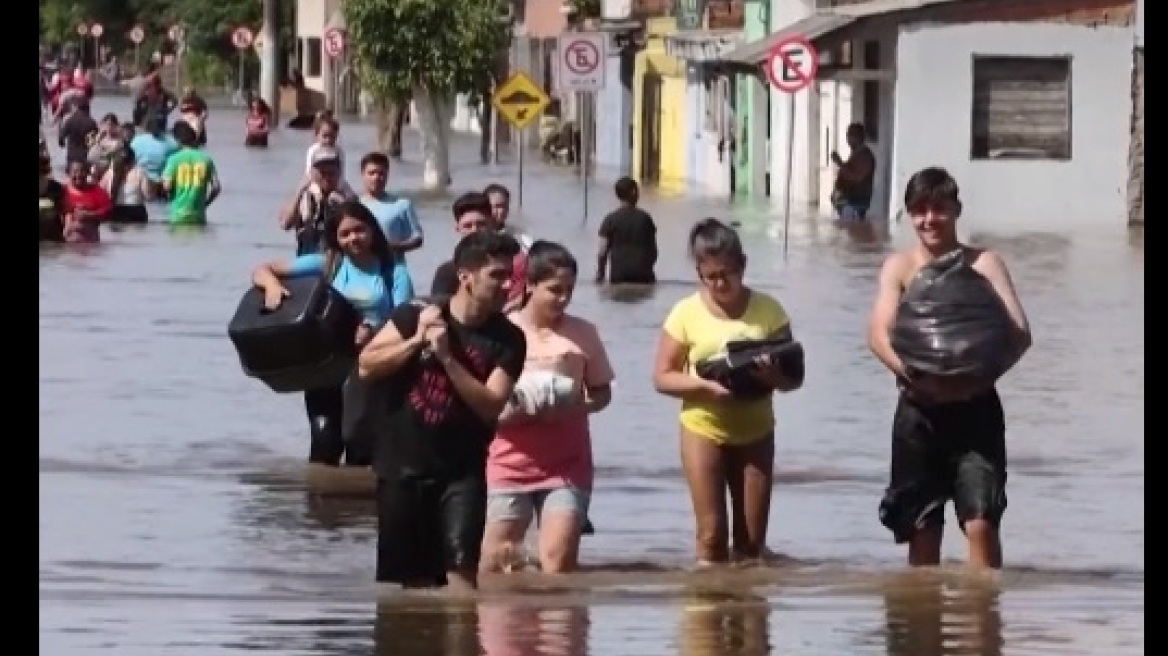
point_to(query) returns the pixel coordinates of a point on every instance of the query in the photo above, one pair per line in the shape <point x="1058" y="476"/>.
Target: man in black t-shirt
<point x="447" y="372"/>
<point x="628" y="240"/>
<point x="472" y="212"/>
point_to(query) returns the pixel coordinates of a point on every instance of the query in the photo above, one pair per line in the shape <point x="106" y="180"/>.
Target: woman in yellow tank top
<point x="726" y="444"/>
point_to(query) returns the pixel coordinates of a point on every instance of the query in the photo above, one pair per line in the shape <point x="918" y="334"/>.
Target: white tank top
<point x="131" y="191"/>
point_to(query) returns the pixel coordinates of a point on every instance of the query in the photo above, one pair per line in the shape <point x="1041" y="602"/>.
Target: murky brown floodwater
<point x="174" y="518"/>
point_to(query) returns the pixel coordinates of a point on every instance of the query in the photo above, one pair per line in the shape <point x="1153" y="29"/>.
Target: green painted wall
<point x="756" y="21"/>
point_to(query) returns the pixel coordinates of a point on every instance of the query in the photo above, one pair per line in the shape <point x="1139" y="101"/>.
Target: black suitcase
<point x="306" y="343"/>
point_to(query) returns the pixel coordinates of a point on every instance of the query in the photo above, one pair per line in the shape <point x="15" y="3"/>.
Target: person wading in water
<point x="449" y="370"/>
<point x="948" y="437"/>
<point x="852" y="196"/>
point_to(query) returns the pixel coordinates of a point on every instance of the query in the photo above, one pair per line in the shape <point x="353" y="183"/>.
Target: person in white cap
<point x="321" y="193"/>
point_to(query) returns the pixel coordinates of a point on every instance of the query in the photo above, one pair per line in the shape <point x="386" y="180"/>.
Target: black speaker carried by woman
<point x="306" y="343"/>
<point x="734" y="368"/>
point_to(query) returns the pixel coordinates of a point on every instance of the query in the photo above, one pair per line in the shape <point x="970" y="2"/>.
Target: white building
<point x="1028" y="104"/>
<point x="313" y="19"/>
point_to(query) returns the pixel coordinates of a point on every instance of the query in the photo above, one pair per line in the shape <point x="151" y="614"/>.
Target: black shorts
<point x="256" y="141"/>
<point x="631" y="277"/>
<point x="428" y="527"/>
<point x="129" y="214"/>
<point x="945" y="451"/>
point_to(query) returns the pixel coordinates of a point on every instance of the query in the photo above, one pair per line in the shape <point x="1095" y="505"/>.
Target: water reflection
<point x="533" y="629"/>
<point x="427" y="628"/>
<point x="714" y="624"/>
<point x="927" y="615"/>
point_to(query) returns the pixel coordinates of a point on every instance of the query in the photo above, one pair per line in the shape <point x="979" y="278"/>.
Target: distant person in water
<point x="128" y="187"/>
<point x="500" y="198"/>
<point x="627" y="251"/>
<point x="77" y="133"/>
<point x="193" y="109"/>
<point x="152" y="149"/>
<point x="325" y="134"/>
<point x="52" y="204"/>
<point x="154" y="105"/>
<point x="316" y="199"/>
<point x="190" y="179"/>
<point x="472" y="213"/>
<point x="852" y="195"/>
<point x="87" y="206"/>
<point x="258" y="124"/>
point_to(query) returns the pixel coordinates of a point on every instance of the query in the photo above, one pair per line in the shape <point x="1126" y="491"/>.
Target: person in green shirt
<point x="189" y="179"/>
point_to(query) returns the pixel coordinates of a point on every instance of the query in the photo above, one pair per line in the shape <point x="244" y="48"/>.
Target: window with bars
<point x="1021" y="108"/>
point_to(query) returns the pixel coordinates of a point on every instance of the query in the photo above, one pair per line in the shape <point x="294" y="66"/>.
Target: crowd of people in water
<point x="483" y="388"/>
<point x="486" y="385"/>
<point x="115" y="167"/>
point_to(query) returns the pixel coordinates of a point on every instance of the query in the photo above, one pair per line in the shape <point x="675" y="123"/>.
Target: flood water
<point x="174" y="518"/>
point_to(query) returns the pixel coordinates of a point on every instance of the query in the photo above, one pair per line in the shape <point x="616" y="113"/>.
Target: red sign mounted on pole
<point x="241" y="38"/>
<point x="791" y="65"/>
<point x="334" y="42"/>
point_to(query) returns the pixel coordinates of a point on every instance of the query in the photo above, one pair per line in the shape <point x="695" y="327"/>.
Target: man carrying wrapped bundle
<point x="948" y="323"/>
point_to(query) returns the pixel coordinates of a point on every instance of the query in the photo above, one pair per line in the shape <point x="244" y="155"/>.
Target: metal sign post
<point x="178" y="35"/>
<point x="581" y="69"/>
<point x="137" y="36"/>
<point x="791" y="66"/>
<point x="82" y="32"/>
<point x="241" y="38"/>
<point x="95" y="31"/>
<point x="519" y="101"/>
<point x="334" y="47"/>
<point x="585" y="117"/>
<point x="519" y="173"/>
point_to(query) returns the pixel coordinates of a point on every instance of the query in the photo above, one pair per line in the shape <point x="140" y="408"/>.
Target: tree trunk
<point x="391" y="118"/>
<point x="485" y="129"/>
<point x="434" y="116"/>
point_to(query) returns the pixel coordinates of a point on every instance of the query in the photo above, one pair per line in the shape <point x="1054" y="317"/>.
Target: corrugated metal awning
<point x="702" y="45"/>
<point x="825" y="23"/>
<point x="811" y="28"/>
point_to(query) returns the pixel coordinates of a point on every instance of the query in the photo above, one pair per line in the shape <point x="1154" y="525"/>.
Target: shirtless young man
<point x="948" y="437"/>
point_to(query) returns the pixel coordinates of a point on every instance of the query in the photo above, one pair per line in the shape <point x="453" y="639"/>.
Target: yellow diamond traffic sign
<point x="519" y="101"/>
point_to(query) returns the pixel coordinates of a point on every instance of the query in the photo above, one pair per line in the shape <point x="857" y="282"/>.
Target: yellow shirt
<point x="704" y="335"/>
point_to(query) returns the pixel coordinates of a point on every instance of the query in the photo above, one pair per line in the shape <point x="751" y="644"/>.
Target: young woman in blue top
<point x="362" y="268"/>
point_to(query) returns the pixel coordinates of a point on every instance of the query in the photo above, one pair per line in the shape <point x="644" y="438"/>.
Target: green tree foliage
<point x="585" y="8"/>
<point x="444" y="46"/>
<point x="208" y="23"/>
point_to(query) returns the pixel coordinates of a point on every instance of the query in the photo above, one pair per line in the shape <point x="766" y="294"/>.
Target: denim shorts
<point x="525" y="505"/>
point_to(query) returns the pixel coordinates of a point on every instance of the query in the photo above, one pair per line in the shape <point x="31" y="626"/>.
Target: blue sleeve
<point x="403" y="284"/>
<point x="415" y="224"/>
<point x="306" y="265"/>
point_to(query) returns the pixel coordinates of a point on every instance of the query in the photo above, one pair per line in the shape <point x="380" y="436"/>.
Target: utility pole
<point x="270" y="58"/>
